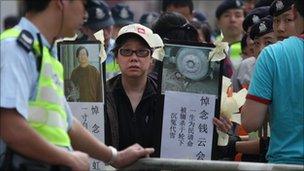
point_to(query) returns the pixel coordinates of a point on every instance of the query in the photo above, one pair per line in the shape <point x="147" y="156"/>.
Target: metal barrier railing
<point x="202" y="165"/>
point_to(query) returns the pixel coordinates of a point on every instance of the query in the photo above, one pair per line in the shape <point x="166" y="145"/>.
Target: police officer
<point x="242" y="75"/>
<point x="252" y="18"/>
<point x="262" y="34"/>
<point x="122" y="16"/>
<point x="184" y="7"/>
<point x="230" y="16"/>
<point x="283" y="18"/>
<point x="100" y="17"/>
<point x="36" y="121"/>
<point x="148" y="19"/>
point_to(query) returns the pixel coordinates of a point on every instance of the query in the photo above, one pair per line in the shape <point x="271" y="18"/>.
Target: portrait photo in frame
<point x="83" y="71"/>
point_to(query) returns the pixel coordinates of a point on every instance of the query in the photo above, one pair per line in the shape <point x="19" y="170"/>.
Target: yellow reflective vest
<point x="47" y="113"/>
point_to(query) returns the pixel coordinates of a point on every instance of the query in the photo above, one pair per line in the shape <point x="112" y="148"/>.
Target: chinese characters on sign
<point x="91" y="116"/>
<point x="187" y="126"/>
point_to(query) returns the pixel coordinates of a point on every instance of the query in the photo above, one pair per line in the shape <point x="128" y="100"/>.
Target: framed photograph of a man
<point x="83" y="71"/>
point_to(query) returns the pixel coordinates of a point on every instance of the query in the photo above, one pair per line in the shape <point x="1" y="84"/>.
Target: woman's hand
<point x="223" y="124"/>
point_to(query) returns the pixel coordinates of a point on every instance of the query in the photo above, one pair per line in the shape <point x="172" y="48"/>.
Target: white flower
<point x="229" y="107"/>
<point x="102" y="53"/>
<point x="219" y="52"/>
<point x="158" y="54"/>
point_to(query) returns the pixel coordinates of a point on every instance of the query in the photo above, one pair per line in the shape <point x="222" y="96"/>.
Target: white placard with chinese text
<point x="187" y="131"/>
<point x="91" y="116"/>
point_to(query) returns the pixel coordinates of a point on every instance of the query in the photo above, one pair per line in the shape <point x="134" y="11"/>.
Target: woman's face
<point x="134" y="59"/>
<point x="263" y="41"/>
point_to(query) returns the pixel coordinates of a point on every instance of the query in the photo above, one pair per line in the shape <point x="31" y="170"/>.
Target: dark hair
<point x="263" y="3"/>
<point x="35" y="6"/>
<point x="244" y="42"/>
<point x="174" y="26"/>
<point x="79" y="49"/>
<point x="204" y="27"/>
<point x="177" y="3"/>
<point x="299" y="4"/>
<point x="10" y="21"/>
<point x="121" y="40"/>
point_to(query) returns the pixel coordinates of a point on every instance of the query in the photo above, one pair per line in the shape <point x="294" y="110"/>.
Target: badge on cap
<point x="238" y="3"/>
<point x="279" y="5"/>
<point x="99" y="13"/>
<point x="124" y="13"/>
<point x="262" y="27"/>
<point x="255" y="19"/>
<point x="150" y="18"/>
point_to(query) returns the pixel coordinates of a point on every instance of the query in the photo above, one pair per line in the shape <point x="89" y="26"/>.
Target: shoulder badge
<point x="25" y="40"/>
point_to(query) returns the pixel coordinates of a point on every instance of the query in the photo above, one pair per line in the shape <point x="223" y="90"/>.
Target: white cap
<point x="153" y="40"/>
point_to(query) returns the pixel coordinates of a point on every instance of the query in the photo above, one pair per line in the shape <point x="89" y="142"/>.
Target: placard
<point x="188" y="129"/>
<point x="84" y="86"/>
<point x="191" y="85"/>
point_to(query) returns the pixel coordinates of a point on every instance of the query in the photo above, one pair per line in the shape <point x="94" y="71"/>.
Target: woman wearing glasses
<point x="132" y="95"/>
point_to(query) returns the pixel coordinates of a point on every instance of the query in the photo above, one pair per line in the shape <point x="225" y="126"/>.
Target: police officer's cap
<point x="261" y="28"/>
<point x="99" y="15"/>
<point x="254" y="17"/>
<point x="122" y="14"/>
<point x="200" y="16"/>
<point x="148" y="18"/>
<point x="263" y="3"/>
<point x="227" y="5"/>
<point x="280" y="6"/>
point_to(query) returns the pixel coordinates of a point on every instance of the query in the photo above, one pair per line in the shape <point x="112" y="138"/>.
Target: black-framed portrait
<point x="83" y="71"/>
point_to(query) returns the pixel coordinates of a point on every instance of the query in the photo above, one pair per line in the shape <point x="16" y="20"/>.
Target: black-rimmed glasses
<point x="142" y="53"/>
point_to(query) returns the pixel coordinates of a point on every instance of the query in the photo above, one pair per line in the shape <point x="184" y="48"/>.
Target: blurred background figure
<point x="148" y="19"/>
<point x="122" y="16"/>
<point x="100" y="17"/>
<point x="204" y="31"/>
<point x="247" y="51"/>
<point x="10" y="22"/>
<point x="200" y="22"/>
<point x="248" y="5"/>
<point x="263" y="3"/>
<point x="184" y="7"/>
<point x="199" y="16"/>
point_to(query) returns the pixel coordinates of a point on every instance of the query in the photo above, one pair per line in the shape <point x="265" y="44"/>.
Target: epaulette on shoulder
<point x="25" y="40"/>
